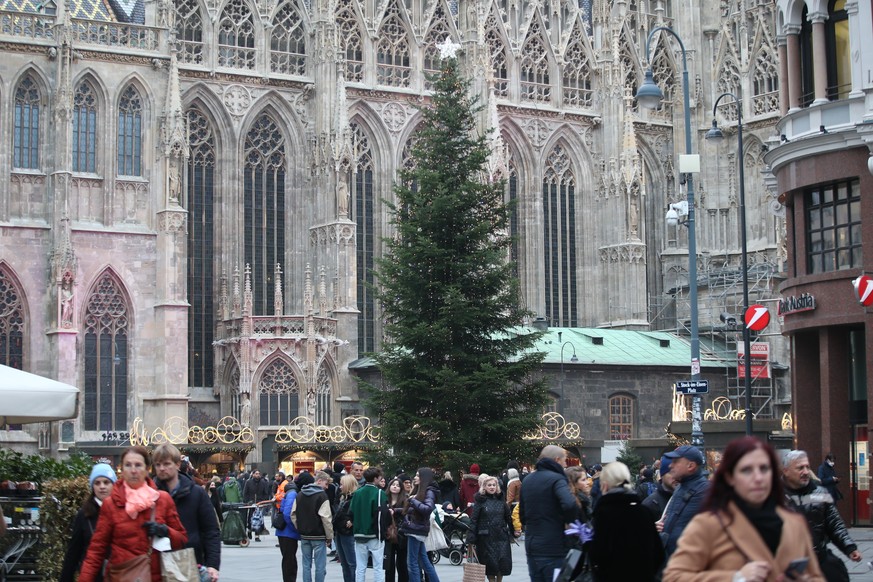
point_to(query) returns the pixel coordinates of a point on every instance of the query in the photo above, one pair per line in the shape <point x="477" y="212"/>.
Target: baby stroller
<point x="455" y="527"/>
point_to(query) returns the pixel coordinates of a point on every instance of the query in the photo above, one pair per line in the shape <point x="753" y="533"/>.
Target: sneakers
<point x="257" y="539"/>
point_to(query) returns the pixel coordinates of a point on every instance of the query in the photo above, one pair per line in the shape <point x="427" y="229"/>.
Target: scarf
<point x="765" y="520"/>
<point x="139" y="499"/>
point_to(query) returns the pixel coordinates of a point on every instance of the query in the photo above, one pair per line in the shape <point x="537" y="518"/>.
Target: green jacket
<point x="364" y="512"/>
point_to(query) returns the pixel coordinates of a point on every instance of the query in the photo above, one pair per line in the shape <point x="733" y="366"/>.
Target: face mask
<point x="831" y="463"/>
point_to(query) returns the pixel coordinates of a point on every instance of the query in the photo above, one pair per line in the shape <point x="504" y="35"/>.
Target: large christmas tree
<point x="458" y="368"/>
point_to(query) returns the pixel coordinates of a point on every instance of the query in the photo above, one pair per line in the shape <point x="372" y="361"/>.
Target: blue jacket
<point x="684" y="505"/>
<point x="545" y="505"/>
<point x="289" y="531"/>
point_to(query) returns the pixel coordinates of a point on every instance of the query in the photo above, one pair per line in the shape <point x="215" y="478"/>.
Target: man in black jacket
<point x="545" y="505"/>
<point x="817" y="505"/>
<point x="195" y="510"/>
<point x="657" y="502"/>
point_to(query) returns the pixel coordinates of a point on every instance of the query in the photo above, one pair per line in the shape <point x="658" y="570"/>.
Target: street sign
<point x="692" y="386"/>
<point x="757" y="317"/>
<point x="864" y="290"/>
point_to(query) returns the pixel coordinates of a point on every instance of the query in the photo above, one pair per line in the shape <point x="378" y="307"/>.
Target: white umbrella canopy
<point x="26" y="398"/>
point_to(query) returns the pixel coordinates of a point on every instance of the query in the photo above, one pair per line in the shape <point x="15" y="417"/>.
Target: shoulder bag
<point x="436" y="539"/>
<point x="179" y="566"/>
<point x="138" y="569"/>
<point x="473" y="570"/>
<point x="278" y="519"/>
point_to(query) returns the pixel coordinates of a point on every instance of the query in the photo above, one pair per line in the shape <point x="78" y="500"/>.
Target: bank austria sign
<point x="796" y="304"/>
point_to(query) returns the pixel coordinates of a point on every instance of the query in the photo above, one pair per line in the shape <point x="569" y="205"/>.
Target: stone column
<point x="858" y="45"/>
<point x="782" y="51"/>
<point x="820" y="63"/>
<point x="792" y="32"/>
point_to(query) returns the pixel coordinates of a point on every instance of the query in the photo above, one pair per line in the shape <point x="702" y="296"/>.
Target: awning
<point x="27" y="398"/>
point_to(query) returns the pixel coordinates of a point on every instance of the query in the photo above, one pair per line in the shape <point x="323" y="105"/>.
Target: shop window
<point x="833" y="227"/>
<point x="621" y="417"/>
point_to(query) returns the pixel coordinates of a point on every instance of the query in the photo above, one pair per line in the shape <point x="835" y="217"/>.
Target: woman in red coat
<point x="126" y="526"/>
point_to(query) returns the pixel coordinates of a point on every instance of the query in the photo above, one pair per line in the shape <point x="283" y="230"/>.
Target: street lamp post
<point x="715" y="134"/>
<point x="573" y="360"/>
<point x="649" y="95"/>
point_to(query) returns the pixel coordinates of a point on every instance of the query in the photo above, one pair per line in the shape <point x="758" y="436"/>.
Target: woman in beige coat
<point x="743" y="533"/>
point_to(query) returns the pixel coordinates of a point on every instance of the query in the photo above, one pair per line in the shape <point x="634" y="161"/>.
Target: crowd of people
<point x="750" y="519"/>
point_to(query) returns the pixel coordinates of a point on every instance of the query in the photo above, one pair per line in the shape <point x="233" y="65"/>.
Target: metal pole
<point x="747" y="340"/>
<point x="696" y="412"/>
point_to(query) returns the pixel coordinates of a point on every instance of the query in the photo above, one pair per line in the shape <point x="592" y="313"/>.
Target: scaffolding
<point x="720" y="329"/>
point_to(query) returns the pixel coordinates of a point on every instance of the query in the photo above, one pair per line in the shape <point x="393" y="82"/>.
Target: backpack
<point x="230" y="492"/>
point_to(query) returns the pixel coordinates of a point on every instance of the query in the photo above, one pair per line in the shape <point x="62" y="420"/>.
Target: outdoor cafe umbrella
<point x="26" y="398"/>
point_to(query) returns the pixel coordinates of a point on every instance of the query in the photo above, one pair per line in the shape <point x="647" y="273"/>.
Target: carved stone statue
<point x="175" y="182"/>
<point x="68" y="294"/>
<point x="342" y="196"/>
<point x="245" y="411"/>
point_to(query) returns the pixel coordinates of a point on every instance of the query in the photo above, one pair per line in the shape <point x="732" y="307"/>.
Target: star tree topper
<point x="448" y="49"/>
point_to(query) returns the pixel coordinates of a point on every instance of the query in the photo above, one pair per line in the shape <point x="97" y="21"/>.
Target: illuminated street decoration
<point x="555" y="427"/>
<point x="302" y="430"/>
<point x="175" y="430"/>
<point x="722" y="409"/>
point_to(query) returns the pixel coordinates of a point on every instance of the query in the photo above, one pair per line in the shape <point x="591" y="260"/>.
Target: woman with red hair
<point x="743" y="532"/>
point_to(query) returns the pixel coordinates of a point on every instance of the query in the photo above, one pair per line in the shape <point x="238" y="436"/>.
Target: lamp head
<point x="714" y="134"/>
<point x="574" y="359"/>
<point x="649" y="95"/>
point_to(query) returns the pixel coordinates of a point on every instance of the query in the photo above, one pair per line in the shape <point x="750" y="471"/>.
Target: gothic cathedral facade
<point x="194" y="191"/>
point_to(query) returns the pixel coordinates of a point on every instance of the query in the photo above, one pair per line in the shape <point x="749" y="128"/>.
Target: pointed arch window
<point x="497" y="49"/>
<point x="364" y="209"/>
<point x="512" y="196"/>
<point x="765" y="84"/>
<point x="236" y="36"/>
<point x="728" y="83"/>
<point x="279" y="394"/>
<point x="559" y="239"/>
<point x="106" y="357"/>
<point x="436" y="35"/>
<point x="392" y="51"/>
<point x="351" y="41"/>
<point x="85" y="129"/>
<point x="323" y="386"/>
<point x="664" y="76"/>
<point x="25" y="137"/>
<point x="199" y="198"/>
<point x="189" y="31"/>
<point x="535" y="82"/>
<point x="288" y="42"/>
<point x="264" y="208"/>
<point x="11" y="322"/>
<point x="129" y="143"/>
<point x="577" y="73"/>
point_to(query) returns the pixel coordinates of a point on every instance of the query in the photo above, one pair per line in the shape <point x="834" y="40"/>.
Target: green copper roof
<point x="611" y="347"/>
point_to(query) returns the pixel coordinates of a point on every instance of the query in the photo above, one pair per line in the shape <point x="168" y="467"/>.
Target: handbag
<point x="436" y="539"/>
<point x="391" y="533"/>
<point x="179" y="566"/>
<point x="278" y="520"/>
<point x="138" y="569"/>
<point x="473" y="570"/>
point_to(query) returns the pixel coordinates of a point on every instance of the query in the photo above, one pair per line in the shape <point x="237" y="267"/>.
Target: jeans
<point x="313" y="550"/>
<point x="417" y="560"/>
<point x="542" y="569"/>
<point x="345" y="549"/>
<point x="395" y="561"/>
<point x="373" y="547"/>
<point x="288" y="547"/>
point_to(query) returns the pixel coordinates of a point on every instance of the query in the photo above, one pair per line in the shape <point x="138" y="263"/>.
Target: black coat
<point x="198" y="516"/>
<point x="656" y="503"/>
<point x="545" y="507"/>
<point x="80" y="538"/>
<point x="825" y="523"/>
<point x="449" y="493"/>
<point x="256" y="490"/>
<point x="626" y="545"/>
<point x="492" y="524"/>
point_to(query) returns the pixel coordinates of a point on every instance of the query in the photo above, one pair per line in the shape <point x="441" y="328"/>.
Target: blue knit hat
<point x="102" y="470"/>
